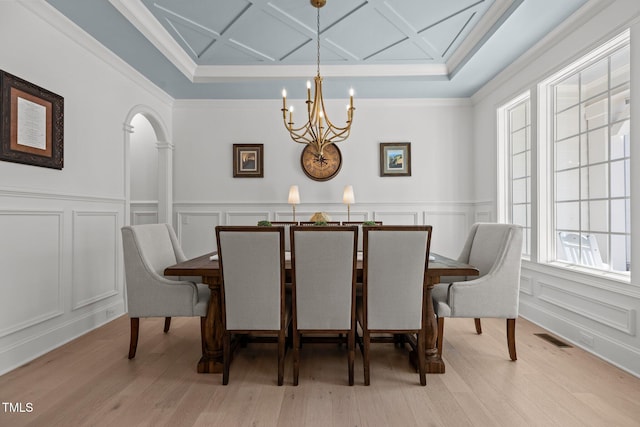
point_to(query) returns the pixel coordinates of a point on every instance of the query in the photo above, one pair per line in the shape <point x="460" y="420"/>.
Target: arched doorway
<point x="144" y="128"/>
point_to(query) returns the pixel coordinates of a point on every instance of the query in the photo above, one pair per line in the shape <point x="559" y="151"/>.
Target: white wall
<point x="592" y="311"/>
<point x="439" y="192"/>
<point x="60" y="255"/>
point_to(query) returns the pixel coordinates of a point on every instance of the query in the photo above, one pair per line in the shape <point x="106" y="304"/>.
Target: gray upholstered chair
<point x="253" y="291"/>
<point x="323" y="289"/>
<point x="496" y="250"/>
<point x="148" y="250"/>
<point x="395" y="261"/>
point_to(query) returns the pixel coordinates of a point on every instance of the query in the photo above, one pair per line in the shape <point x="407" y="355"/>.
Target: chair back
<point x="496" y="250"/>
<point x="395" y="262"/>
<point x="148" y="249"/>
<point x="252" y="269"/>
<point x="360" y="234"/>
<point x="323" y="277"/>
<point x="487" y="243"/>
<point x="287" y="225"/>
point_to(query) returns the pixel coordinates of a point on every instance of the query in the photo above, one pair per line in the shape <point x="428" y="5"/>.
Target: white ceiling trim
<point x="142" y="19"/>
<point x="221" y="73"/>
<point x="477" y="35"/>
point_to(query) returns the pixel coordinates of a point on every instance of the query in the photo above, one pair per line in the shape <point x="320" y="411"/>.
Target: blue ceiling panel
<point x="404" y="52"/>
<point x="443" y="35"/>
<point x="382" y="48"/>
<point x="213" y="15"/>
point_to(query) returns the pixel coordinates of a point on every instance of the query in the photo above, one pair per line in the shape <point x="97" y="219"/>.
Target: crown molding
<point x="144" y="21"/>
<point x="261" y="104"/>
<point x="571" y="24"/>
<point x="499" y="11"/>
<point x="57" y="20"/>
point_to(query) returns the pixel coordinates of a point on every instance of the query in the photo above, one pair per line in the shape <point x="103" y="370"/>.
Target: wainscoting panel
<point x="618" y="317"/>
<point x="144" y="212"/>
<point x="32" y="268"/>
<point x="246" y="218"/>
<point x="196" y="231"/>
<point x="398" y="217"/>
<point x="197" y="220"/>
<point x="95" y="257"/>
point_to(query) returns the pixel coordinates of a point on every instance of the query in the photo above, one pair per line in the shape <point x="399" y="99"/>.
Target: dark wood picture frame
<point x="248" y="160"/>
<point x="395" y="159"/>
<point x="31" y="123"/>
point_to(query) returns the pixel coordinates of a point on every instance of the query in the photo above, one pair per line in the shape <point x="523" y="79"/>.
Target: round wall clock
<point x="321" y="168"/>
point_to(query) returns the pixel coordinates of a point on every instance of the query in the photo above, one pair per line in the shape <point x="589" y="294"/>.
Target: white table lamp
<point x="294" y="198"/>
<point x="348" y="199"/>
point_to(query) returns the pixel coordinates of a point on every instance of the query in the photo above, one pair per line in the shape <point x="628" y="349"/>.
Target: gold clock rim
<point x="315" y="178"/>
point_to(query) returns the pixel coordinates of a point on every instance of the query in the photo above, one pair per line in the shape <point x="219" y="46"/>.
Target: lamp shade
<point x="347" y="197"/>
<point x="294" y="195"/>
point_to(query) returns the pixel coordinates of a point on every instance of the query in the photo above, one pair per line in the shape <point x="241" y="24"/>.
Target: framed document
<point x="31" y="123"/>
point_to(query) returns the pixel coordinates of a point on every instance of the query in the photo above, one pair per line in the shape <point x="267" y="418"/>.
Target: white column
<point x="128" y="130"/>
<point x="165" y="182"/>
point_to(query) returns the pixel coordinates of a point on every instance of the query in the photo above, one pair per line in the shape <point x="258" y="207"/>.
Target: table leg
<point x="212" y="361"/>
<point x="434" y="362"/>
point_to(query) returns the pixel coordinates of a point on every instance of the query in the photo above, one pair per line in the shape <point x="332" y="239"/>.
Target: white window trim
<point x="545" y="192"/>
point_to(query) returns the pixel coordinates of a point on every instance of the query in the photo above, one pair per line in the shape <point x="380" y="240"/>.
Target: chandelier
<point x="318" y="132"/>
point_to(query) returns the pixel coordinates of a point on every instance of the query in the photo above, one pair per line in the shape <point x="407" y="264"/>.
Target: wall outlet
<point x="110" y="313"/>
<point x="586" y="339"/>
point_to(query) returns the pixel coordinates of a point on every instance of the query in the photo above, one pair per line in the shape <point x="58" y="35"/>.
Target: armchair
<point x="148" y="250"/>
<point x="495" y="249"/>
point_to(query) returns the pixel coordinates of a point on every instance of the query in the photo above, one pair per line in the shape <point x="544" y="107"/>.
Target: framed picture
<point x="395" y="159"/>
<point x="31" y="123"/>
<point x="248" y="161"/>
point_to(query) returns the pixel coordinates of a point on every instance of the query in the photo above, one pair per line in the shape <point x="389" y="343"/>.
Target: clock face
<point x="321" y="168"/>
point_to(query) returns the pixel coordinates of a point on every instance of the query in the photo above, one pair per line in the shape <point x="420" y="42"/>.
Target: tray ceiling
<point x="383" y="48"/>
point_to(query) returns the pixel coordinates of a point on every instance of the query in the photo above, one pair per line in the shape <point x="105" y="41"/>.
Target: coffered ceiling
<point x="382" y="48"/>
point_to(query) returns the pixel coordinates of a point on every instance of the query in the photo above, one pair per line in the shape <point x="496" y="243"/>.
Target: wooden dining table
<point x="209" y="269"/>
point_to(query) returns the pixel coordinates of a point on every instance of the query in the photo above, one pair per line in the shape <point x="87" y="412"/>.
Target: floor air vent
<point x="553" y="340"/>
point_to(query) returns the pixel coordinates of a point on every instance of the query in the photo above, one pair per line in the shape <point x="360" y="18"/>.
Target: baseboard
<point x="606" y="348"/>
<point x="24" y="351"/>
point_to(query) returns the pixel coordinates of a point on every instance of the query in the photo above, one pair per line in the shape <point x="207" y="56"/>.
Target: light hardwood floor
<point x="90" y="382"/>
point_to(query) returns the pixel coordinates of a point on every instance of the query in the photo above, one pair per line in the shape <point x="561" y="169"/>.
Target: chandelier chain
<point x="318" y="38"/>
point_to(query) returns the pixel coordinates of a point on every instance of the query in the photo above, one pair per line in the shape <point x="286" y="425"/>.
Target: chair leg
<point x="226" y="356"/>
<point x="478" y="326"/>
<point x="365" y="356"/>
<point x="167" y="324"/>
<point x="296" y="356"/>
<point x="511" y="338"/>
<point x="351" y="344"/>
<point x="203" y="321"/>
<point x="133" y="343"/>
<point x="281" y="353"/>
<point x="440" y="335"/>
<point x="421" y="358"/>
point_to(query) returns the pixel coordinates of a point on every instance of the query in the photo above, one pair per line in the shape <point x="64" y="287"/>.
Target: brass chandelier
<point x="318" y="132"/>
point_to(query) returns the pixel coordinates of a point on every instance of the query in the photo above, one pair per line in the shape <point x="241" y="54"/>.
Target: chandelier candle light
<point x="318" y="132"/>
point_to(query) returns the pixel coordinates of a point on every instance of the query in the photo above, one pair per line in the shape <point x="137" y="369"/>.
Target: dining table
<point x="208" y="268"/>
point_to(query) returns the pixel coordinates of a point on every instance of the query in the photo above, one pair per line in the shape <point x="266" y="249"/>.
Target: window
<point x="588" y="142"/>
<point x="514" y="120"/>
